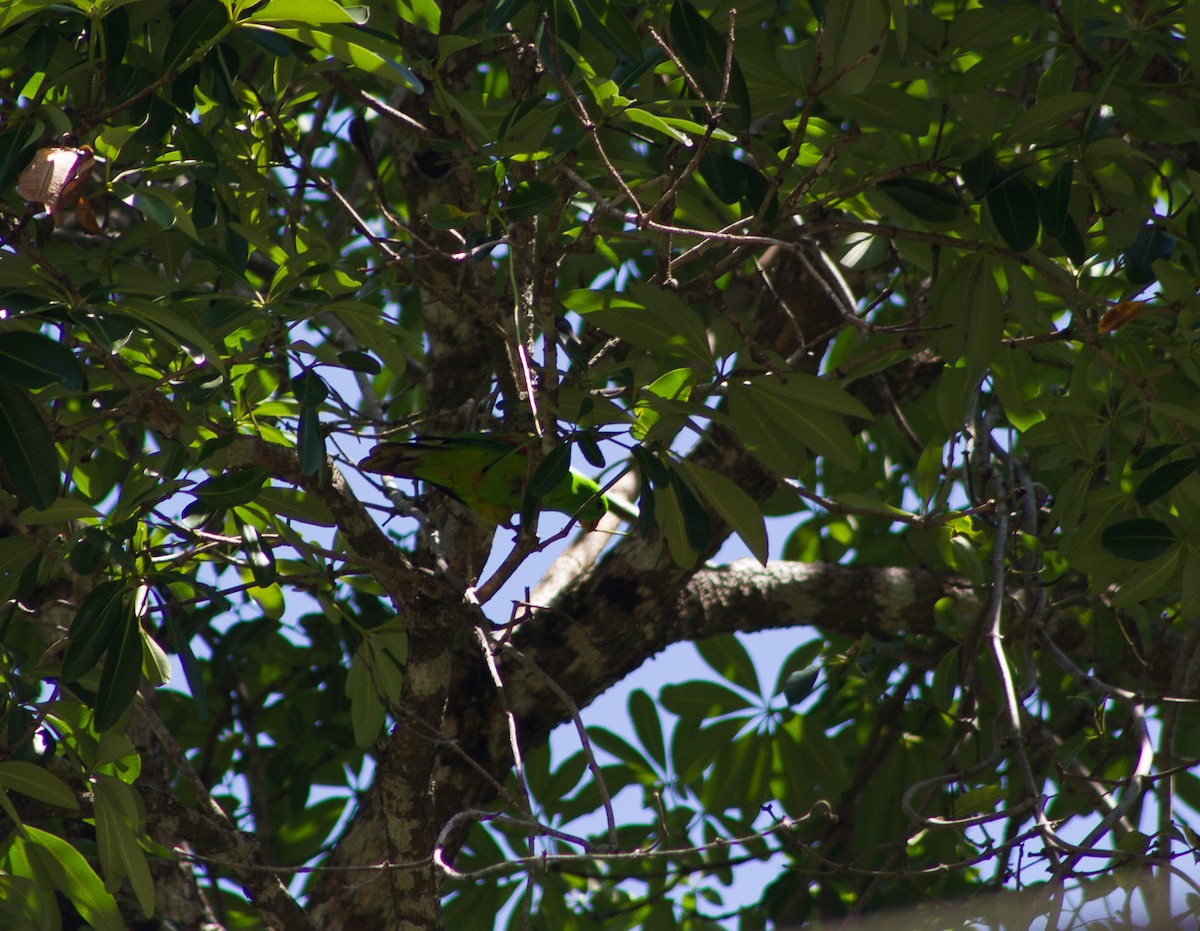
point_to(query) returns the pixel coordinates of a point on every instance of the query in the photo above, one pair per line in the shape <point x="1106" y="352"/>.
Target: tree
<point x="919" y="277"/>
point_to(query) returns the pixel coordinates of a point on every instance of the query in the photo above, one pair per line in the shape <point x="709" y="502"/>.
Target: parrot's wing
<point x="484" y="471"/>
<point x="413" y="458"/>
<point x="577" y="496"/>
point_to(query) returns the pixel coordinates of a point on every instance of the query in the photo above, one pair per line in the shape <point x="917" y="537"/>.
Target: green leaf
<point x="231" y="488"/>
<point x="697" y="527"/>
<point x="294" y="504"/>
<point x="258" y="555"/>
<point x="367" y="713"/>
<point x="26" y="449"/>
<point x="701" y="47"/>
<point x="528" y="199"/>
<point x="75" y="879"/>
<point x="122" y="672"/>
<point x="1048" y="117"/>
<point x="978" y="800"/>
<point x="301" y="838"/>
<point x="923" y="199"/>
<point x="643" y="714"/>
<point x="33" y="360"/>
<point x="669" y="517"/>
<point x="778" y="420"/>
<point x="1140" y="539"/>
<point x="688" y="34"/>
<point x="60" y="512"/>
<point x="945" y="680"/>
<point x="310" y="443"/>
<point x="198" y="23"/>
<point x="364" y="50"/>
<point x="37" y="782"/>
<point x="310" y="12"/>
<point x="852" y="31"/>
<point x="608" y="24"/>
<point x="95" y="625"/>
<point x="619" y="747"/>
<point x="1151" y="579"/>
<point x="698" y="698"/>
<point x="727" y="657"/>
<point x="649" y="317"/>
<point x="737" y="508"/>
<point x="120" y="854"/>
<point x="1013" y="204"/>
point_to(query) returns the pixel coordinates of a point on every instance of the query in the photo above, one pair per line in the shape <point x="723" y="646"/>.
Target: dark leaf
<point x="646" y="512"/>
<point x="1153" y="455"/>
<point x="590" y="449"/>
<point x="27" y="450"/>
<point x="1098" y="124"/>
<point x="358" y="361"/>
<point x="798" y="685"/>
<point x="1151" y="244"/>
<point x="610" y="26"/>
<point x="1014" y="207"/>
<point x="688" y="34"/>
<point x="310" y="389"/>
<point x="122" y="672"/>
<point x="528" y="199"/>
<point x="33" y="360"/>
<point x="310" y="443"/>
<point x="231" y="489"/>
<point x="724" y="175"/>
<point x="93" y="629"/>
<point x="551" y="472"/>
<point x="1163" y="479"/>
<point x="1140" y="539"/>
<point x="198" y="22"/>
<point x="258" y="555"/>
<point x="17" y="147"/>
<point x="696" y="524"/>
<point x="1054" y="200"/>
<point x="923" y="199"/>
<point x="653" y="471"/>
<point x="1072" y="243"/>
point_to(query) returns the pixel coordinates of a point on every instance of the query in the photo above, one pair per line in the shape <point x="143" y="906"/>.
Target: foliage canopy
<point x="914" y="278"/>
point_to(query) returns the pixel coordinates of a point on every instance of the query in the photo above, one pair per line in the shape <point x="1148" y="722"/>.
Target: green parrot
<point x="486" y="472"/>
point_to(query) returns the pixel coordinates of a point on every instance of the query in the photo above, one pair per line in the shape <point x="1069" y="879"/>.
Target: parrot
<point x="486" y="472"/>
